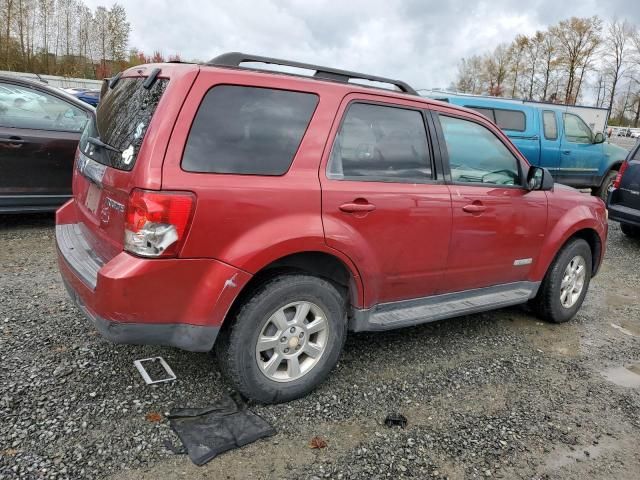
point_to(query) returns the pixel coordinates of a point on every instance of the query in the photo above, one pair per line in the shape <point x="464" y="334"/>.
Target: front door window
<point x="35" y="110"/>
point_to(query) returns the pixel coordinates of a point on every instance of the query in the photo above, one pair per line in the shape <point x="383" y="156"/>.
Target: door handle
<point x="474" y="208"/>
<point x="14" y="140"/>
<point x="357" y="207"/>
<point x="566" y="152"/>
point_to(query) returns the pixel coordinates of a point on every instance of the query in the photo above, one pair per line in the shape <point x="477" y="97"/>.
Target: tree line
<point x="63" y="37"/>
<point x="560" y="63"/>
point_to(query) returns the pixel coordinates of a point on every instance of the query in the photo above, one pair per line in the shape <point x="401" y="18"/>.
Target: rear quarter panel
<point x="249" y="221"/>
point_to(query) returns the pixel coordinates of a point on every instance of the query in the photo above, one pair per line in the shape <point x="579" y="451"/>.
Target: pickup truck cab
<point x="553" y="138"/>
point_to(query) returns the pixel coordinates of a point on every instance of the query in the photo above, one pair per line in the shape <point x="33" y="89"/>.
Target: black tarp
<point x="209" y="431"/>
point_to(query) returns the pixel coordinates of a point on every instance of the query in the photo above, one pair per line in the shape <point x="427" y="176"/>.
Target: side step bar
<point x="387" y="316"/>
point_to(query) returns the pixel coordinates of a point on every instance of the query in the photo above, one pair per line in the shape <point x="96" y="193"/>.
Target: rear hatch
<point x="628" y="193"/>
<point x="123" y="148"/>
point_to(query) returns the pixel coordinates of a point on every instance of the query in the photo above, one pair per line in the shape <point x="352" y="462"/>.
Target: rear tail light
<point x="157" y="222"/>
<point x="623" y="167"/>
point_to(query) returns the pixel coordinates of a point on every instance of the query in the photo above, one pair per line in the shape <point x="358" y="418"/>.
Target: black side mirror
<point x="598" y="138"/>
<point x="539" y="178"/>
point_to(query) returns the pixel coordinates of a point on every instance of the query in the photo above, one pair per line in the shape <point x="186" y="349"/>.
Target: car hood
<point x="615" y="152"/>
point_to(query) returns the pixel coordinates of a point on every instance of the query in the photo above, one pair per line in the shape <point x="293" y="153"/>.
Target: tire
<point x="547" y="303"/>
<point x="247" y="368"/>
<point x="630" y="230"/>
<point x="603" y="190"/>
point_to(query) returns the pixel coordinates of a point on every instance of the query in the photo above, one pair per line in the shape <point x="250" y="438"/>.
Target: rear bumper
<point x="186" y="337"/>
<point x="621" y="213"/>
<point x="174" y="302"/>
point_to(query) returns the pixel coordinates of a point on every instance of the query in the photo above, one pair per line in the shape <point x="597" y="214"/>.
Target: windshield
<point x="123" y="115"/>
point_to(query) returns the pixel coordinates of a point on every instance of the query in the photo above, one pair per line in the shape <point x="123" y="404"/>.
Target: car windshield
<point x="122" y="118"/>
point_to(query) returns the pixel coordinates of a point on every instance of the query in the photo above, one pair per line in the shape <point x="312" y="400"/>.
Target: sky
<point x="418" y="41"/>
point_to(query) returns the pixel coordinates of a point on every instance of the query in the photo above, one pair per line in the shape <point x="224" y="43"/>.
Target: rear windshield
<point x="123" y="115"/>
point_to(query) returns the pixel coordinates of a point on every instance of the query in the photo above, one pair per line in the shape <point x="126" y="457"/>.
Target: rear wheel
<point x="285" y="339"/>
<point x="607" y="184"/>
<point x="630" y="230"/>
<point x="564" y="287"/>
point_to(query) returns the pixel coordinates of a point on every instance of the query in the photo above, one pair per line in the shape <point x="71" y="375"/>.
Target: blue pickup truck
<point x="553" y="138"/>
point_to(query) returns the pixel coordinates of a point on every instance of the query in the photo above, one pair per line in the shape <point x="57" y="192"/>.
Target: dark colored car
<point x="92" y="97"/>
<point x="265" y="214"/>
<point x="40" y="127"/>
<point x="624" y="199"/>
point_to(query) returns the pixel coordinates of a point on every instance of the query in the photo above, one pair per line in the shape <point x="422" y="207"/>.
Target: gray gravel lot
<point x="492" y="395"/>
<point x="624" y="142"/>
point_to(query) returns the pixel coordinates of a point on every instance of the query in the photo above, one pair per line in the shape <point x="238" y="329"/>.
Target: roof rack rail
<point x="234" y="59"/>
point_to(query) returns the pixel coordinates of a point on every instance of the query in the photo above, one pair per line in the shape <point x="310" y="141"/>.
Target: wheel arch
<point x="614" y="167"/>
<point x="595" y="243"/>
<point x="330" y="266"/>
<point x="589" y="233"/>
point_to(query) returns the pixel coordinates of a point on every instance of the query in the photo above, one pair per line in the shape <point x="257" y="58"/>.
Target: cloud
<point x="419" y="41"/>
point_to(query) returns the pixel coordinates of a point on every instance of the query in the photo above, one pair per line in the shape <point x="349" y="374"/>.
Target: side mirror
<point x="598" y="138"/>
<point x="539" y="178"/>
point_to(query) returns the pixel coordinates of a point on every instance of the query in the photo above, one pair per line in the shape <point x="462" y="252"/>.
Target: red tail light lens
<point x="157" y="222"/>
<point x="623" y="167"/>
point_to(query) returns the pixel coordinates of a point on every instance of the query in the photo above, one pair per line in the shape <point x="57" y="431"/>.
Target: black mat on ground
<point x="225" y="425"/>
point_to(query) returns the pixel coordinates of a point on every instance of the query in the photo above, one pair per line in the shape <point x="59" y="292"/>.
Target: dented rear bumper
<point x="176" y="302"/>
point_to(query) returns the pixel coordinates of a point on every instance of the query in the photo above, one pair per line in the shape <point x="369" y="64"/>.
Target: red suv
<point x="265" y="214"/>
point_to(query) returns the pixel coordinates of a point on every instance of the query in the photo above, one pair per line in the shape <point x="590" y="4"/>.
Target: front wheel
<point x="564" y="287"/>
<point x="285" y="339"/>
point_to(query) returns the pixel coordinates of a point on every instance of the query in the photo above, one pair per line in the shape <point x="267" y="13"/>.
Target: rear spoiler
<point x="104" y="87"/>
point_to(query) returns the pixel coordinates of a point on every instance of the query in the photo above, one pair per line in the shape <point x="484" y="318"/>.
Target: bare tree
<point x="469" y="73"/>
<point x="496" y="69"/>
<point x="533" y="52"/>
<point x="8" y="9"/>
<point x="617" y="43"/>
<point x="118" y="31"/>
<point x="516" y="51"/>
<point x="577" y="39"/>
<point x="548" y="62"/>
<point x="46" y="9"/>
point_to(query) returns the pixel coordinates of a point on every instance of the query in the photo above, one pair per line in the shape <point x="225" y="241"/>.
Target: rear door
<point x="39" y="134"/>
<point x="580" y="158"/>
<point x="498" y="226"/>
<point x="384" y="203"/>
<point x="628" y="193"/>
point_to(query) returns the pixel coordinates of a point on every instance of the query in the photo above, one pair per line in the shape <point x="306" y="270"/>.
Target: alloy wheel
<point x="292" y="341"/>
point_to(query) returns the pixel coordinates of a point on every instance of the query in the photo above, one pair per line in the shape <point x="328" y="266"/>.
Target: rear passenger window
<point x="476" y="155"/>
<point x="247" y="130"/>
<point x="487" y="112"/>
<point x="505" y="119"/>
<point x="550" y="125"/>
<point x="510" y="120"/>
<point x="381" y="143"/>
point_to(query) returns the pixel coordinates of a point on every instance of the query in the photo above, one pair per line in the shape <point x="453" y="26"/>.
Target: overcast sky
<point x="419" y="41"/>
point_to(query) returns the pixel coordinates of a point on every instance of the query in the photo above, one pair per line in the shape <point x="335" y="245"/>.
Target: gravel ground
<point x="492" y="395"/>
<point x="624" y="142"/>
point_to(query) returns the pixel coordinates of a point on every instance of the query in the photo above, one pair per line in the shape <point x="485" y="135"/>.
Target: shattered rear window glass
<point x="123" y="116"/>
